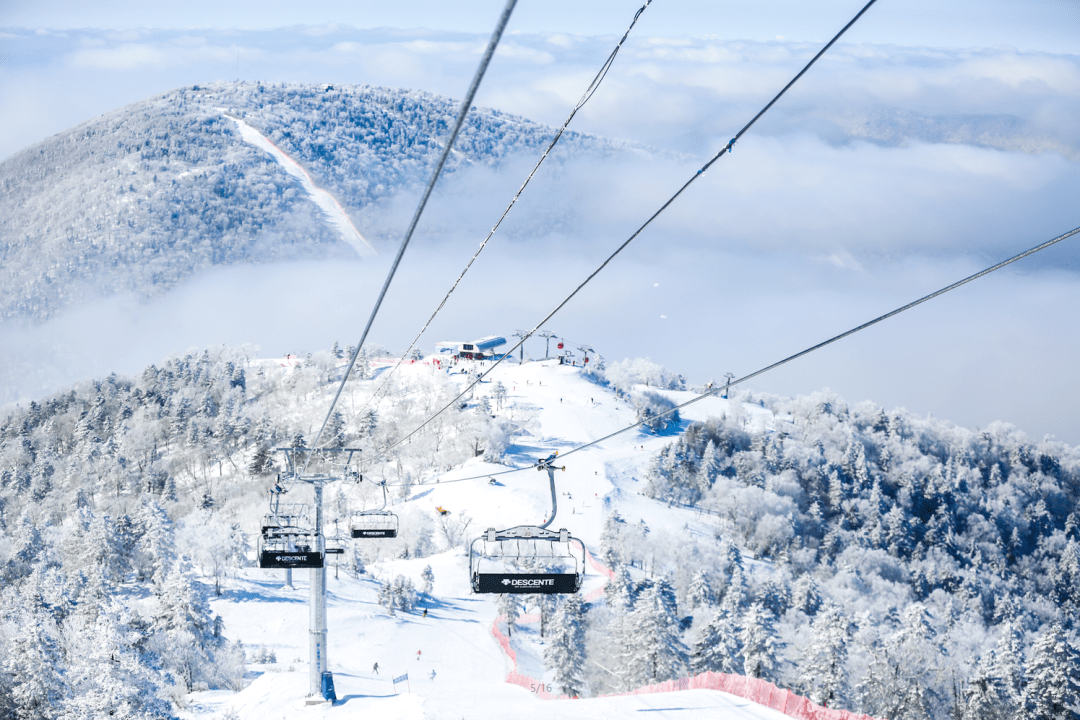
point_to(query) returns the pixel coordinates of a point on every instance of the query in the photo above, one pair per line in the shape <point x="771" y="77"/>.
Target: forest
<point x="143" y="197"/>
<point x="869" y="559"/>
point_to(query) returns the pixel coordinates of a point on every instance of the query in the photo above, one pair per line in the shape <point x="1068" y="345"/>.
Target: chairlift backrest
<point x="494" y="569"/>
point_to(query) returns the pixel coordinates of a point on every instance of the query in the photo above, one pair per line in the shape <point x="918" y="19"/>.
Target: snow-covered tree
<point x="700" y="594"/>
<point x="760" y="643"/>
<point x="654" y="651"/>
<point x="509" y="606"/>
<point x="107" y="675"/>
<point x="565" y="650"/>
<point x="822" y="668"/>
<point x="718" y="648"/>
<point x="1053" y="677"/>
<point x="427" y="576"/>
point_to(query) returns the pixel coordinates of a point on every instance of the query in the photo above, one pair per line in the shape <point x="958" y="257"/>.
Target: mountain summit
<point x="140" y="198"/>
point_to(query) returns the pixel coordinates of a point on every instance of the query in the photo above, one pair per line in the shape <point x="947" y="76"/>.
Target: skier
<point x="418" y="655"/>
<point x="425" y="612"/>
<point x="375" y="668"/>
<point x="432" y="674"/>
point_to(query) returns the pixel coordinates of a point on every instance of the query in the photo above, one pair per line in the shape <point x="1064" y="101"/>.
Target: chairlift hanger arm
<point x="547" y="464"/>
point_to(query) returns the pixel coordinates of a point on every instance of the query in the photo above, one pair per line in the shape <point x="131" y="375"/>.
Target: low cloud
<point x="887" y="173"/>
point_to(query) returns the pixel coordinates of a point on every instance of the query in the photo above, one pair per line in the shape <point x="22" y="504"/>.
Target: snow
<point x="335" y="214"/>
<point x="455" y="638"/>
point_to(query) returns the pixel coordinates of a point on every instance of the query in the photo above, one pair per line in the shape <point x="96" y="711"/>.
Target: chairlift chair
<point x="287" y="516"/>
<point x="289" y="549"/>
<point x="374" y="524"/>
<point x="496" y="567"/>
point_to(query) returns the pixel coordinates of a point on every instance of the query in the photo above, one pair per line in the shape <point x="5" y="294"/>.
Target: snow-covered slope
<point x="870" y="559"/>
<point x="455" y="639"/>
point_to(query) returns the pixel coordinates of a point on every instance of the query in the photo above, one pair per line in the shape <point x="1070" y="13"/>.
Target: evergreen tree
<point x="984" y="699"/>
<point x="760" y="644"/>
<point x="655" y="651"/>
<point x="108" y="676"/>
<point x="620" y="592"/>
<point x="1053" y="677"/>
<point x="184" y="629"/>
<point x="611" y="540"/>
<point x="428" y="578"/>
<point x="156" y="543"/>
<point x="34" y="662"/>
<point x="823" y="674"/>
<point x="262" y="462"/>
<point x="700" y="592"/>
<point x="718" y="648"/>
<point x="1007" y="662"/>
<point x="565" y="651"/>
<point x="510" y="608"/>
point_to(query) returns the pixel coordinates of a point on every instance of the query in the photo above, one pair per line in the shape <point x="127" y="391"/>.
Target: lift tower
<point x="321" y="679"/>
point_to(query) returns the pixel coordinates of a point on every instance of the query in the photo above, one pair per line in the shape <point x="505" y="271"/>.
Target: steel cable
<point x="466" y="104"/>
<point x="586" y="96"/>
<point x="726" y="149"/>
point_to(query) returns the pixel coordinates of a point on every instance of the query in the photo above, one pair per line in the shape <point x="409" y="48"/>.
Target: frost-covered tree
<point x="427" y="576"/>
<point x="184" y="630"/>
<point x="654" y="650"/>
<point x="760" y="643"/>
<point x="34" y="662"/>
<point x="700" y="594"/>
<point x="108" y="676"/>
<point x="822" y="668"/>
<point x="565" y="650"/>
<point x="1053" y="677"/>
<point x="509" y="606"/>
<point x="156" y="547"/>
<point x="1007" y="663"/>
<point x="718" y="648"/>
<point x="984" y="699"/>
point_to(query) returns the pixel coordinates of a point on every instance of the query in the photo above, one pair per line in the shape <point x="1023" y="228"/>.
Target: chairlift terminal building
<point x="482" y="349"/>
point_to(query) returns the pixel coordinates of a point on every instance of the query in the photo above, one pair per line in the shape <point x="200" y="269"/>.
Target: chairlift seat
<point x="372" y="524"/>
<point x="504" y="548"/>
<point x="290" y="550"/>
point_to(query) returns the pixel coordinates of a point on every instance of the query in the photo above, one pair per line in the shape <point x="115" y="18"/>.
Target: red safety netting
<point x="753" y="689"/>
<point x="756" y="690"/>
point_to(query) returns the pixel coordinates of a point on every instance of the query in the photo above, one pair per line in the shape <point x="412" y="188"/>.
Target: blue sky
<point x="933" y="142"/>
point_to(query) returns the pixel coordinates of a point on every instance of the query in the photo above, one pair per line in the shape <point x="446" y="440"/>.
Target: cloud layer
<point x="888" y="172"/>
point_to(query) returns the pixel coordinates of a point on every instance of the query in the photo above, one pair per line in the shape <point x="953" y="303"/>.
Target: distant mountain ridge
<point x="138" y="199"/>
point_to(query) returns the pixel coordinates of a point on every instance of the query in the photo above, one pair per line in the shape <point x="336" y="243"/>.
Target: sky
<point x="930" y="143"/>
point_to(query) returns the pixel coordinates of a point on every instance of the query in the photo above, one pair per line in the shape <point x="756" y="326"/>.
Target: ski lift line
<point x="665" y="206"/>
<point x="589" y="92"/>
<point x="485" y="476"/>
<point x="727" y="148"/>
<point x="841" y="336"/>
<point x="466" y="104"/>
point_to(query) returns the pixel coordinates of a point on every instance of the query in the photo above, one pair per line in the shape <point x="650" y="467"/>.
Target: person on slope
<point x="375" y="668"/>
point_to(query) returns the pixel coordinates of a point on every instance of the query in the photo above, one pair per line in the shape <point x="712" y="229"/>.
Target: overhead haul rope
<point x="841" y="336"/>
<point x="586" y="96"/>
<point x="465" y="105"/>
<point x="699" y="173"/>
<point x="830" y="341"/>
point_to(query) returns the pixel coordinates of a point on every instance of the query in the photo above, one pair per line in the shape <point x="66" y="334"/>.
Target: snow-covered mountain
<point x="140" y="198"/>
<point x="877" y="561"/>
